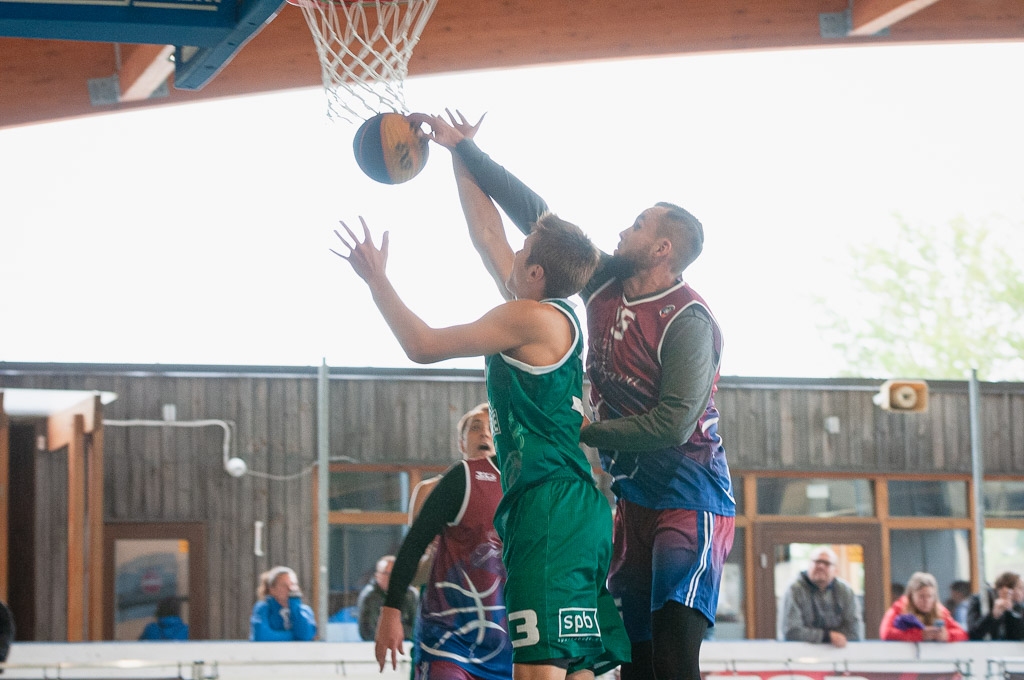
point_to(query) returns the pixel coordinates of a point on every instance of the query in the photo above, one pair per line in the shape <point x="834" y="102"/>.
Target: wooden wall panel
<point x="958" y="426"/>
<point x="861" y="425"/>
<point x="235" y="513"/>
<point x="51" y="545"/>
<point x="995" y="423"/>
<point x="148" y="444"/>
<point x="95" y="518"/>
<point x="752" y="436"/>
<point x="770" y="424"/>
<point x="276" y="462"/>
<point x="787" y="427"/>
<point x="1016" y="426"/>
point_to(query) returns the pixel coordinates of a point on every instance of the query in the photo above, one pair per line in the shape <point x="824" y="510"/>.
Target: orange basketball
<point x="390" y="148"/>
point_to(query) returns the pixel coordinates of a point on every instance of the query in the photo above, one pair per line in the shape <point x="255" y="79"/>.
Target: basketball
<point x="390" y="149"/>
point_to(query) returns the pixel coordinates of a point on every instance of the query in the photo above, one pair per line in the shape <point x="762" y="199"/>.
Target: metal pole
<point x="323" y="474"/>
<point x="978" y="481"/>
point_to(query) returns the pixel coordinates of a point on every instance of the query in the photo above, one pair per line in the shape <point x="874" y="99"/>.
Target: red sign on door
<point x="152" y="582"/>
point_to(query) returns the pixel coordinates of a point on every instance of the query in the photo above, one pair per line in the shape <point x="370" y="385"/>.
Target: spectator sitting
<point x="959" y="601"/>
<point x="818" y="607"/>
<point x="1005" y="617"/>
<point x="918" y="616"/>
<point x="280" y="615"/>
<point x="371" y="599"/>
<point x="168" y="624"/>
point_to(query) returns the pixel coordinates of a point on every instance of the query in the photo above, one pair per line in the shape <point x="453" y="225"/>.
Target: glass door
<point x="782" y="551"/>
<point x="151" y="566"/>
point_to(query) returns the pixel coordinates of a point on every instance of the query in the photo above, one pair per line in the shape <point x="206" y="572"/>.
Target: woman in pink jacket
<point x="918" y="616"/>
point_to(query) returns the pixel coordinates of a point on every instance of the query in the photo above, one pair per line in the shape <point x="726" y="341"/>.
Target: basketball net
<point x="364" y="48"/>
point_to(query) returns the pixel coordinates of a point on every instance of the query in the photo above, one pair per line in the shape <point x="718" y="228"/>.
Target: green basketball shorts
<point x="557" y="549"/>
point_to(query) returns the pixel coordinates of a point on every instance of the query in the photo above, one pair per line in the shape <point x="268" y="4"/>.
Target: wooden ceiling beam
<point x="871" y="16"/>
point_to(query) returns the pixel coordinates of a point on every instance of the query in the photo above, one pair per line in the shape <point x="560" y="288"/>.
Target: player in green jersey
<point x="554" y="522"/>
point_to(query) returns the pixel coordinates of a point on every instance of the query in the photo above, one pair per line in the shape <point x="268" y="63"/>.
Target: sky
<point x="200" y="233"/>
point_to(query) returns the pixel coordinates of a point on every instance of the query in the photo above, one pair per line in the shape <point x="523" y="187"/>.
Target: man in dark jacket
<point x="1004" y="616"/>
<point x="372" y="596"/>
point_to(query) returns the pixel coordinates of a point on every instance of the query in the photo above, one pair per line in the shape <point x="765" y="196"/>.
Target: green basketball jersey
<point x="536" y="415"/>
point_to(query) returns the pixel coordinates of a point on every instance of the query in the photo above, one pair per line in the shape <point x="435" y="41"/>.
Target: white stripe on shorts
<point x="705" y="555"/>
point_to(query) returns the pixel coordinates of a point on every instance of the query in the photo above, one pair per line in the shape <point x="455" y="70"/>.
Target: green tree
<point x="931" y="302"/>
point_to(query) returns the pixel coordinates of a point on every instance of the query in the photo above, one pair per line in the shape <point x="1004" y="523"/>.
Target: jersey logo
<point x="666" y="310"/>
<point x="623" y="317"/>
<point x="577" y="405"/>
<point x="578" y="622"/>
<point x="485" y="476"/>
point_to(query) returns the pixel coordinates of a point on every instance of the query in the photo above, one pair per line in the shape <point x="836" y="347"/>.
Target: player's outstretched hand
<point x="389" y="637"/>
<point x="467" y="129"/>
<point x="368" y="261"/>
<point x="440" y="130"/>
<point x="447" y="133"/>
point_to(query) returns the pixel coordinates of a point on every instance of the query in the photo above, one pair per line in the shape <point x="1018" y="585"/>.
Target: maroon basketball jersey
<point x="463" y="618"/>
<point x="624" y="367"/>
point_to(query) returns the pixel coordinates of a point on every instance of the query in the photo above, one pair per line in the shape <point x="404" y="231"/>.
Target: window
<point x="1004" y="551"/>
<point x="1004" y="499"/>
<point x="815" y="497"/>
<point x="945" y="554"/>
<point x="369" y="491"/>
<point x="354" y="552"/>
<point x="928" y="498"/>
<point x="148" y="571"/>
<point x="368" y="507"/>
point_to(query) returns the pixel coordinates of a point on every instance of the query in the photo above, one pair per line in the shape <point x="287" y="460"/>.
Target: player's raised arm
<point x="486" y="230"/>
<point x="523" y="205"/>
<point x="514" y="326"/>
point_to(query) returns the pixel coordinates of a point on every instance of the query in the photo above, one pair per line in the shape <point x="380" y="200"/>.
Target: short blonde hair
<point x="565" y="253"/>
<point x="467" y="418"/>
<point x="268" y="578"/>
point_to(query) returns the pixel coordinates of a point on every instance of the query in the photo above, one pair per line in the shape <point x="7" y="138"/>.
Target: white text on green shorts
<point x="578" y="622"/>
<point x="522" y="628"/>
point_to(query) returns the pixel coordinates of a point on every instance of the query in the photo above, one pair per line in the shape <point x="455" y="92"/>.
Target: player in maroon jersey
<point x="461" y="631"/>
